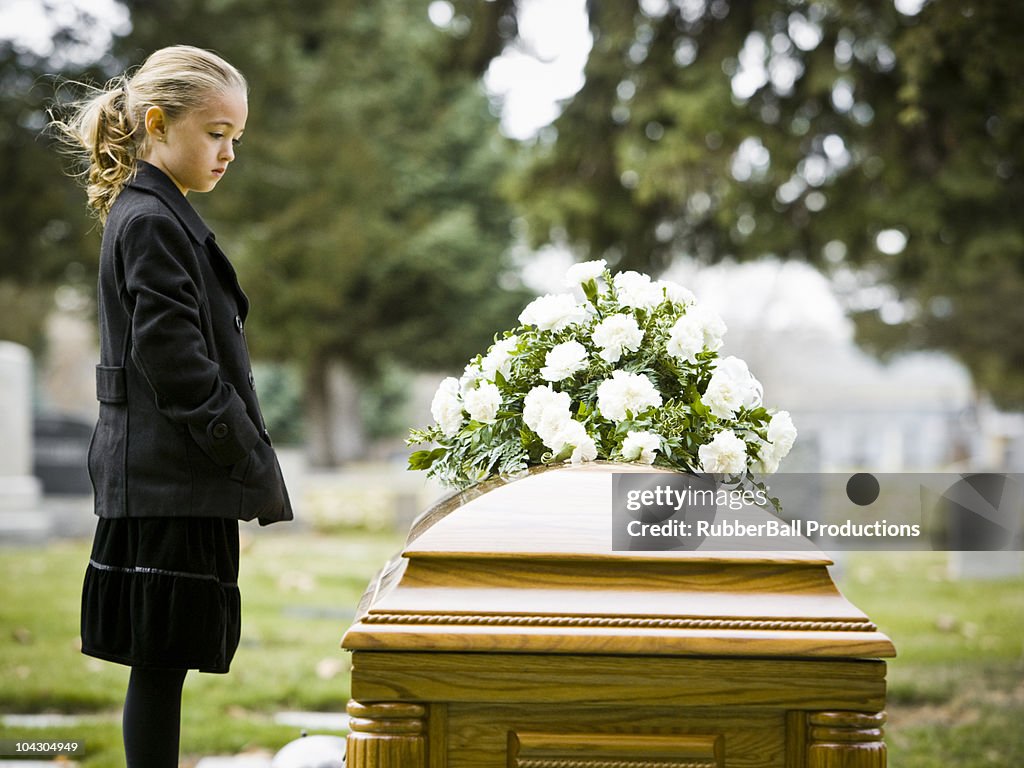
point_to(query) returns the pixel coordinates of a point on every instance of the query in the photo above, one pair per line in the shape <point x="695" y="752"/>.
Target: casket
<point x="509" y="632"/>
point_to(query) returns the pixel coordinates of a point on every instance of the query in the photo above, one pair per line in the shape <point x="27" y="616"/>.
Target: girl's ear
<point x="156" y="123"/>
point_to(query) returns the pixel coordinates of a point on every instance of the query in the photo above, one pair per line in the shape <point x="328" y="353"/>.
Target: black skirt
<point x="163" y="592"/>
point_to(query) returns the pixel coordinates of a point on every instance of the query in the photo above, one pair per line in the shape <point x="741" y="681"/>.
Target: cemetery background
<point x="464" y="245"/>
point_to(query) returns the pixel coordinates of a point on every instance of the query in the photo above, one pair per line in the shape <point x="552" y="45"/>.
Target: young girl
<point x="180" y="452"/>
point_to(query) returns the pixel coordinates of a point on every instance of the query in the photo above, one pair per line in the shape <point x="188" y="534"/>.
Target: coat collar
<point x="151" y="179"/>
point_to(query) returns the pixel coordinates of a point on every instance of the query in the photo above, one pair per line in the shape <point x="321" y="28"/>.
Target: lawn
<point x="956" y="692"/>
<point x="299" y="592"/>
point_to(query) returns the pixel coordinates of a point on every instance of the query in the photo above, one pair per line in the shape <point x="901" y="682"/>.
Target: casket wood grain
<point x="507" y="633"/>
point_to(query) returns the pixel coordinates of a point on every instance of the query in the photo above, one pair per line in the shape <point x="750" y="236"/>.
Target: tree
<point x="878" y="145"/>
<point x="364" y="215"/>
<point x="46" y="237"/>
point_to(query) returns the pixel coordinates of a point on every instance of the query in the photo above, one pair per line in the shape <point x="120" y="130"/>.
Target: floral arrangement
<point x="629" y="373"/>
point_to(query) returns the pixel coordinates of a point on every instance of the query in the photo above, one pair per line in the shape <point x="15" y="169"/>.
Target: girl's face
<point x="195" y="149"/>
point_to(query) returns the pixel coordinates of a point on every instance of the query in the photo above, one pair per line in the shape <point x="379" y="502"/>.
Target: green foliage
<point x="363" y="211"/>
<point x="884" y="122"/>
<point x="46" y="237"/>
<point x="280" y="390"/>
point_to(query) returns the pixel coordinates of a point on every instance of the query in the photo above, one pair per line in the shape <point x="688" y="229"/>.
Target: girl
<point x="180" y="452"/>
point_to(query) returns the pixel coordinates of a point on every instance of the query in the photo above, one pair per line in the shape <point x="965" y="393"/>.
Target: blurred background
<point x="842" y="180"/>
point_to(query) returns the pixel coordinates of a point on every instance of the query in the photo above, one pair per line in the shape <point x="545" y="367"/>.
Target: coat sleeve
<point x="168" y="344"/>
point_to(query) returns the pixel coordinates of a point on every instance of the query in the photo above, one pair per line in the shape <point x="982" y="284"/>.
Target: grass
<point x="299" y="592"/>
<point x="956" y="691"/>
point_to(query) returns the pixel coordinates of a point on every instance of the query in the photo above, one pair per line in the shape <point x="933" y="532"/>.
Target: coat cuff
<point x="229" y="436"/>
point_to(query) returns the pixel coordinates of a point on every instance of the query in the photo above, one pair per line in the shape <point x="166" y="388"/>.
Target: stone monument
<point x="19" y="489"/>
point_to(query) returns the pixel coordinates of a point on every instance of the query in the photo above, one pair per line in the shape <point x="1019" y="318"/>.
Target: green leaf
<point x="423" y="459"/>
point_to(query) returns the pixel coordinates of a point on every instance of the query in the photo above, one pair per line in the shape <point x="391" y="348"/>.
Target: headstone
<point x="19" y="489"/>
<point x="61" y="454"/>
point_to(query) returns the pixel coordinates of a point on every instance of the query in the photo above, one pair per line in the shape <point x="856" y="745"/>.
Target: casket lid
<point x="528" y="566"/>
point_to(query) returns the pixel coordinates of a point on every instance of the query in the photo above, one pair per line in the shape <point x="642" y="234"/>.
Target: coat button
<point x="238" y="323"/>
<point x="252" y="381"/>
<point x="220" y="431"/>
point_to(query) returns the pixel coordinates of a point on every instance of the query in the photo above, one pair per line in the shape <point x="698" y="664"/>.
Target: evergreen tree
<point x="883" y="147"/>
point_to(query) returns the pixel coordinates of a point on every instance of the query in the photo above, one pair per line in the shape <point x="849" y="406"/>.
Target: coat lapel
<point x="151" y="179"/>
<point x="221" y="261"/>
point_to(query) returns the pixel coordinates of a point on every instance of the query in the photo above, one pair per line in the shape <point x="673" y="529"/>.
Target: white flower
<point x="782" y="433"/>
<point x="685" y="339"/>
<point x="563" y="360"/>
<point x="632" y="392"/>
<point x="482" y="402"/>
<point x="570" y="433"/>
<point x="446" y="408"/>
<point x="586" y="450"/>
<point x="499" y="358"/>
<point x="676" y="293"/>
<point x="726" y="454"/>
<point x="731" y="387"/>
<point x="544" y="409"/>
<point x="711" y="325"/>
<point x="553" y="312"/>
<point x="617" y="333"/>
<point x="781" y="436"/>
<point x="580" y="273"/>
<point x="640" y="446"/>
<point x="637" y="291"/>
<point x="470" y="376"/>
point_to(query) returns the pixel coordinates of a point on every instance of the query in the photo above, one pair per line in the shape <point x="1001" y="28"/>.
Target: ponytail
<point x="103" y="131"/>
<point x="107" y="130"/>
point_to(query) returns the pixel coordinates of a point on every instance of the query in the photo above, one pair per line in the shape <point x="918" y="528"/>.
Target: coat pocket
<point x="108" y="451"/>
<point x="263" y="491"/>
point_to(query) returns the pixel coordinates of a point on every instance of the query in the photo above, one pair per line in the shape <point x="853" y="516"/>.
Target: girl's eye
<point x="217" y="135"/>
<point x="236" y="142"/>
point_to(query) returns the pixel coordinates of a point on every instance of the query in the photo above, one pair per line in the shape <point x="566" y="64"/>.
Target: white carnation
<point x="446" y="408"/>
<point x="726" y="454"/>
<point x="482" y="402"/>
<point x="686" y="339"/>
<point x="782" y="433"/>
<point x="570" y="433"/>
<point x="499" y="358"/>
<point x="711" y="325"/>
<point x="586" y="450"/>
<point x="676" y="293"/>
<point x="616" y="334"/>
<point x="470" y="376"/>
<point x="553" y="312"/>
<point x="544" y="409"/>
<point x="637" y="291"/>
<point x="732" y="387"/>
<point x="563" y="360"/>
<point x="632" y="392"/>
<point x="580" y="273"/>
<point x="781" y="436"/>
<point x="641" y="446"/>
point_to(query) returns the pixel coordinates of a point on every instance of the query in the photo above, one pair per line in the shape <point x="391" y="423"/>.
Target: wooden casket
<point x="508" y="633"/>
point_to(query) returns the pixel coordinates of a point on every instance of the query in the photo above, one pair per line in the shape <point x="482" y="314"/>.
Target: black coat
<point x="180" y="433"/>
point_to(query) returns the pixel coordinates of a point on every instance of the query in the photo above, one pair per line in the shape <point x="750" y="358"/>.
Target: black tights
<point x="152" y="717"/>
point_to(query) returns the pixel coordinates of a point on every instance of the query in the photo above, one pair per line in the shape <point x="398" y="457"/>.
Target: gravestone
<point x="19" y="489"/>
<point x="61" y="454"/>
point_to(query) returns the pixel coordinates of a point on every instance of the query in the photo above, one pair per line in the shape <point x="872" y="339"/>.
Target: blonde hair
<point x="107" y="130"/>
